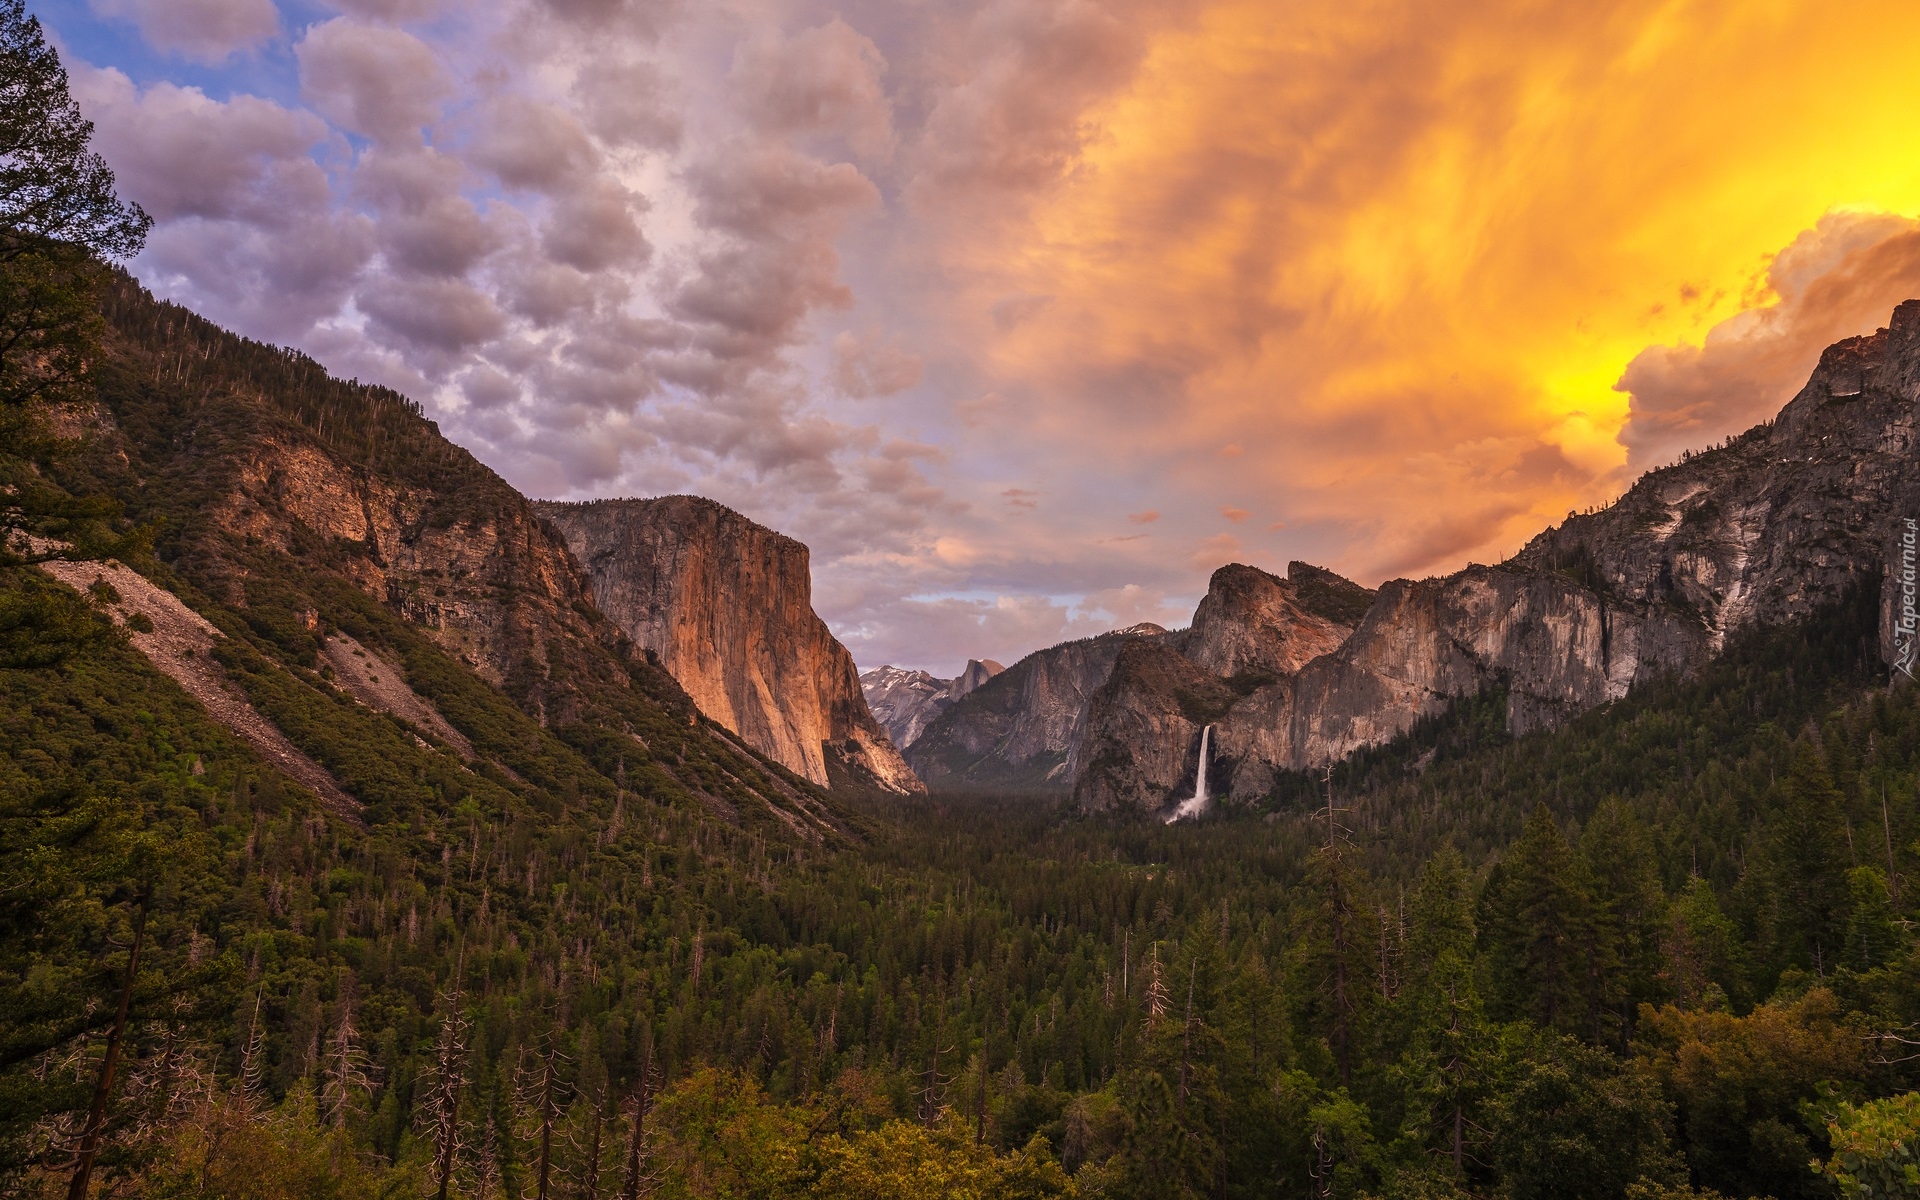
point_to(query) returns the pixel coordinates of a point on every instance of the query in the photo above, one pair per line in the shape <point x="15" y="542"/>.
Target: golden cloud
<point x="1402" y="253"/>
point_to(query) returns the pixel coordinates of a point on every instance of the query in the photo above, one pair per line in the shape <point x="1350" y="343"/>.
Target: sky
<point x="1025" y="315"/>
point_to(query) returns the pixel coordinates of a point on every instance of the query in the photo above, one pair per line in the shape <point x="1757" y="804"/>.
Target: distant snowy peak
<point x="906" y="701"/>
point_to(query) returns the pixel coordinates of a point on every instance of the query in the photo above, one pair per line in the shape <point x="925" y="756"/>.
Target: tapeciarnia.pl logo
<point x="1905" y="621"/>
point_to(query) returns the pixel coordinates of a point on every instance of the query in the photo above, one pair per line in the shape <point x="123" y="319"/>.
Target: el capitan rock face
<point x="726" y="605"/>
<point x="323" y="535"/>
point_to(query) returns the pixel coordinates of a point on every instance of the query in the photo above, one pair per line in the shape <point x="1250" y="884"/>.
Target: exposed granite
<point x="726" y="605"/>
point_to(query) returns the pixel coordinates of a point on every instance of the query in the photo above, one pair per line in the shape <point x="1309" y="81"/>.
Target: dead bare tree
<point x="441" y="1108"/>
<point x="346" y="1071"/>
<point x="640" y="1180"/>
<point x="542" y="1091"/>
<point x="1157" y="999"/>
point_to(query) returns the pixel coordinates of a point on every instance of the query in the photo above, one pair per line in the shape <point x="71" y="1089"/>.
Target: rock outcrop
<point x="1142" y="731"/>
<point x="1769" y="527"/>
<point x="1253" y="623"/>
<point x="726" y="606"/>
<point x="1251" y="630"/>
<point x="1017" y="729"/>
<point x="905" y="702"/>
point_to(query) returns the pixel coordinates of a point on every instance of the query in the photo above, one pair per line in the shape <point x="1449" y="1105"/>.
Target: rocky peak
<point x="907" y="701"/>
<point x="976" y="673"/>
<point x="1251" y="622"/>
<point x="1017" y="728"/>
<point x="904" y="701"/>
<point x="726" y="606"/>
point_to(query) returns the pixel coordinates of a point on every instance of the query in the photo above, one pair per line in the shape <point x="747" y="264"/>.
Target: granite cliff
<point x="1017" y="729"/>
<point x="1253" y="630"/>
<point x="1767" y="528"/>
<point x="726" y="607"/>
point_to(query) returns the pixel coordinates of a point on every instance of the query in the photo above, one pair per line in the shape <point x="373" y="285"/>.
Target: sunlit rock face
<point x="1253" y="622"/>
<point x="1559" y="649"/>
<point x="726" y="605"/>
<point x="1770" y="527"/>
<point x="905" y="702"/>
<point x="1783" y="519"/>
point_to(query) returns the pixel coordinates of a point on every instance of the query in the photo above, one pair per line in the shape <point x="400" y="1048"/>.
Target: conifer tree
<point x="1621" y="939"/>
<point x="1535" y="923"/>
<point x="1811" y="862"/>
<point x="1699" y="949"/>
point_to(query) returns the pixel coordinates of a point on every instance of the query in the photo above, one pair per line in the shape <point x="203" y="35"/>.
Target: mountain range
<point x="562" y="606"/>
<point x="1297" y="672"/>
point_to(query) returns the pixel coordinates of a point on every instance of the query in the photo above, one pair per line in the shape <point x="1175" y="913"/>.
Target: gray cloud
<point x="528" y="144"/>
<point x="627" y="104"/>
<point x="205" y="31"/>
<point x="597" y="227"/>
<point x="248" y="231"/>
<point x="384" y="83"/>
<point x="389" y="10"/>
<point x="426" y="225"/>
<point x="1011" y="122"/>
<point x="432" y="314"/>
<point x="824" y="80"/>
<point x="867" y="365"/>
<point x="249" y="156"/>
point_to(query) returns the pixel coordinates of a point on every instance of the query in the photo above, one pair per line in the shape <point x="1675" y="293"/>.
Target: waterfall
<point x="1196" y="804"/>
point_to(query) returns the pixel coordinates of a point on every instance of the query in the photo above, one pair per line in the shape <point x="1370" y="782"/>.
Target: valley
<point x="370" y="828"/>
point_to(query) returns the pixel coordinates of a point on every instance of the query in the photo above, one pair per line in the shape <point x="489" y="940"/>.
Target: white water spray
<point x="1195" y="804"/>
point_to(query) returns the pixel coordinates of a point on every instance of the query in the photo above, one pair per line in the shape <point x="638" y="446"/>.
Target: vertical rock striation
<point x="726" y="606"/>
<point x="1017" y="729"/>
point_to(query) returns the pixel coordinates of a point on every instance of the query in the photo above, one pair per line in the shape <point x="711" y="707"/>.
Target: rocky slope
<point x="1017" y="729"/>
<point x="906" y="701"/>
<point x="1769" y="527"/>
<point x="336" y="550"/>
<point x="726" y="607"/>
